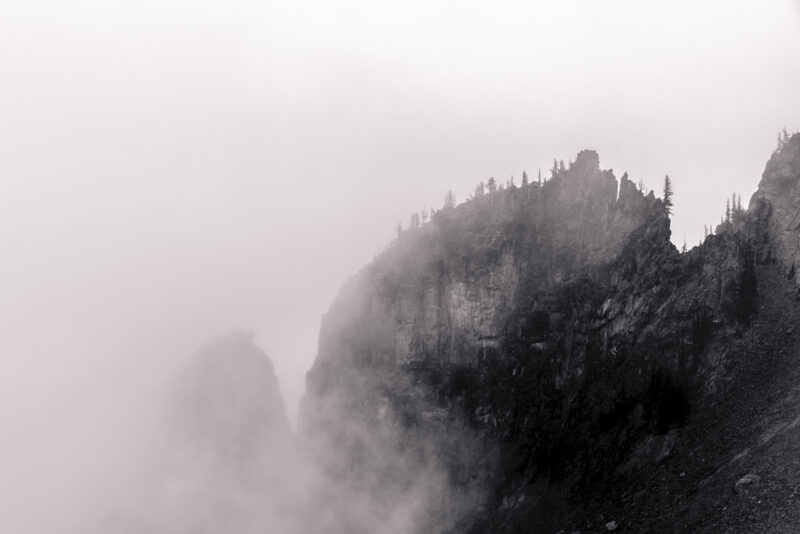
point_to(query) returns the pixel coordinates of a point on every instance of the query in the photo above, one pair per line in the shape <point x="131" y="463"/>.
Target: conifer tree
<point x="480" y="190"/>
<point x="449" y="200"/>
<point x="524" y="178"/>
<point x="783" y="138"/>
<point x="668" y="194"/>
<point x="491" y="185"/>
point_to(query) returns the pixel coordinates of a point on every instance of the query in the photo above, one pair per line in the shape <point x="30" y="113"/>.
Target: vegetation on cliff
<point x="538" y="358"/>
<point x="554" y="325"/>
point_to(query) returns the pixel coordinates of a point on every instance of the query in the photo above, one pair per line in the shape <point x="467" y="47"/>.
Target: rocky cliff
<point x="537" y="359"/>
<point x="776" y="204"/>
<point x="532" y="344"/>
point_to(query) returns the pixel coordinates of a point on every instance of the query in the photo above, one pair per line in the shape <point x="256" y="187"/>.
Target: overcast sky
<point x="172" y="170"/>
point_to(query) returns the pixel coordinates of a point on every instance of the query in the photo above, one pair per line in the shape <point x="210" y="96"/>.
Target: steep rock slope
<point x="521" y="348"/>
<point x="777" y="202"/>
<point x="735" y="465"/>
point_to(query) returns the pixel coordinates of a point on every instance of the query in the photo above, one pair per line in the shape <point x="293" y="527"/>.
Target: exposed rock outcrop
<point x="539" y="358"/>
<point x="776" y="205"/>
<point x="550" y="328"/>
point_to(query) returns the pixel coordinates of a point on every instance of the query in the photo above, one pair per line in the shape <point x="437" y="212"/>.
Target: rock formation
<point x="227" y="402"/>
<point x="777" y="206"/>
<point x="537" y="359"/>
<point x="223" y="459"/>
<point x="524" y="347"/>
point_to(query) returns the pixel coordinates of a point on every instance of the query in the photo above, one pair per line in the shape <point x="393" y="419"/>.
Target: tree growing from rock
<point x="668" y="194"/>
<point x="783" y="138"/>
<point x="449" y="200"/>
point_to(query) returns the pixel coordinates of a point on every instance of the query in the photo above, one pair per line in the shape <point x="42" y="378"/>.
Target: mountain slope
<point x="554" y="329"/>
<point x="538" y="359"/>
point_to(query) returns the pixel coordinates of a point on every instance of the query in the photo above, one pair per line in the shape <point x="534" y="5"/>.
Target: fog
<point x="170" y="171"/>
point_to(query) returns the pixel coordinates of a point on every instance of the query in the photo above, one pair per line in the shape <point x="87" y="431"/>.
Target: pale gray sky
<point x="172" y="170"/>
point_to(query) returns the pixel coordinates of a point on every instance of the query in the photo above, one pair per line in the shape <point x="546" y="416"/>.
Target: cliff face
<point x="777" y="204"/>
<point x="520" y="347"/>
<point x="540" y="358"/>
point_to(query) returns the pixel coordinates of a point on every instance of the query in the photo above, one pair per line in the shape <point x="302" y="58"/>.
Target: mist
<point x="171" y="171"/>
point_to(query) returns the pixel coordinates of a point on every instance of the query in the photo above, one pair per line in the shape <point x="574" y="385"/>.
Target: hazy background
<point x="172" y="170"/>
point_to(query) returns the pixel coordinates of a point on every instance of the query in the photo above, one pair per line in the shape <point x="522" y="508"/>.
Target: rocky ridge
<point x="540" y="358"/>
<point x="555" y="330"/>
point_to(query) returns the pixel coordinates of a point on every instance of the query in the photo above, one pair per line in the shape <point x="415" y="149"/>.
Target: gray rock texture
<point x="776" y="204"/>
<point x="520" y="347"/>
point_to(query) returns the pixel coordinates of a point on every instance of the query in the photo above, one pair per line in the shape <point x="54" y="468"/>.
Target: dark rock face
<point x="537" y="359"/>
<point x="777" y="206"/>
<point x="519" y="348"/>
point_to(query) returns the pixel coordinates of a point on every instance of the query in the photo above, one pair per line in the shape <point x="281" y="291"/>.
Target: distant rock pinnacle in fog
<point x="228" y="402"/>
<point x="223" y="459"/>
